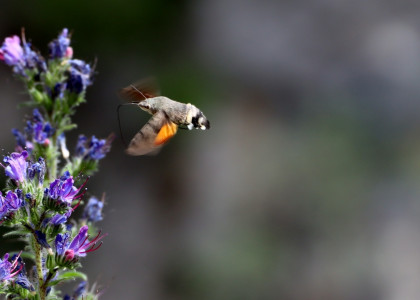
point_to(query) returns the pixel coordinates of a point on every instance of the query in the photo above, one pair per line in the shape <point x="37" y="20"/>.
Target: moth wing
<point x="157" y="131"/>
<point x="141" y="90"/>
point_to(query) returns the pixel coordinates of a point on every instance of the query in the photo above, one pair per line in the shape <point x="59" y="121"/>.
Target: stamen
<point x="91" y="249"/>
<point x="77" y="204"/>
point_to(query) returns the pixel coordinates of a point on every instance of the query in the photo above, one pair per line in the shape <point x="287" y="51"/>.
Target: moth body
<point x="177" y="112"/>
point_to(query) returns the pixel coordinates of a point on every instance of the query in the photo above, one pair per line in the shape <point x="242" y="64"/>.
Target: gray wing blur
<point x="140" y="90"/>
<point x="144" y="141"/>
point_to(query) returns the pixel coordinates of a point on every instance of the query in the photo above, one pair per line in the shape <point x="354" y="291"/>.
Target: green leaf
<point x="16" y="233"/>
<point x="68" y="127"/>
<point x="71" y="275"/>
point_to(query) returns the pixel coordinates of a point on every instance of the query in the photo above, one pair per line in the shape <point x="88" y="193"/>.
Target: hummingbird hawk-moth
<point x="167" y="116"/>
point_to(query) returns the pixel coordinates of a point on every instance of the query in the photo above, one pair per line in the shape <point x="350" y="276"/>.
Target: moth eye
<point x="144" y="105"/>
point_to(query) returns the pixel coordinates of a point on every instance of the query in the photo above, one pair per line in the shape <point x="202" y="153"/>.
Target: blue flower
<point x="36" y="131"/>
<point x="37" y="115"/>
<point x="81" y="145"/>
<point x="32" y="59"/>
<point x="60" y="47"/>
<point x="10" y="203"/>
<point x="8" y="269"/>
<point x="96" y="148"/>
<point x="22" y="278"/>
<point x="16" y="169"/>
<point x="63" y="191"/>
<point x="60" y="219"/>
<point x="78" y="292"/>
<point x="41" y="238"/>
<point x="70" y="251"/>
<point x="37" y="169"/>
<point x="22" y="143"/>
<point x="93" y="210"/>
<point x="58" y="91"/>
<point x="80" y="76"/>
<point x="39" y="130"/>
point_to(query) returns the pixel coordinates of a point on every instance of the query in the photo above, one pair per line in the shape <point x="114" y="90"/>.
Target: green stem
<point x="44" y="286"/>
<point x="38" y="263"/>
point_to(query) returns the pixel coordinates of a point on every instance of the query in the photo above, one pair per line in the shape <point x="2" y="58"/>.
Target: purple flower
<point x="78" y="247"/>
<point x="22" y="278"/>
<point x="95" y="150"/>
<point x="60" y="219"/>
<point x="80" y="76"/>
<point x="11" y="51"/>
<point x="63" y="190"/>
<point x="16" y="169"/>
<point x="13" y="54"/>
<point x="10" y="203"/>
<point x="93" y="210"/>
<point x="60" y="47"/>
<point x="13" y="200"/>
<point x="8" y="269"/>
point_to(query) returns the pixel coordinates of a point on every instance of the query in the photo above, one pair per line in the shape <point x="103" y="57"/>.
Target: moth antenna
<point x="119" y="120"/>
<point x="138" y="91"/>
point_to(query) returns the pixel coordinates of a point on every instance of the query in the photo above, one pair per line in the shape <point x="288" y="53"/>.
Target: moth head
<point x="146" y="106"/>
<point x="200" y="121"/>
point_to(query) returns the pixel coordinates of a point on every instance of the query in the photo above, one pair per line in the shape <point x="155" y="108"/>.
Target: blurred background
<point x="306" y="186"/>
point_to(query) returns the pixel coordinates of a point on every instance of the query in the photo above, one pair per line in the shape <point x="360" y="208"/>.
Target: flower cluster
<point x="43" y="188"/>
<point x="21" y="57"/>
<point x="37" y="131"/>
<point x="88" y="152"/>
<point x="24" y="60"/>
<point x="92" y="149"/>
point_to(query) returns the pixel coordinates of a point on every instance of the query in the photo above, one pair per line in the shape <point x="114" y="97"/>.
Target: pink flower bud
<point x="69" y="52"/>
